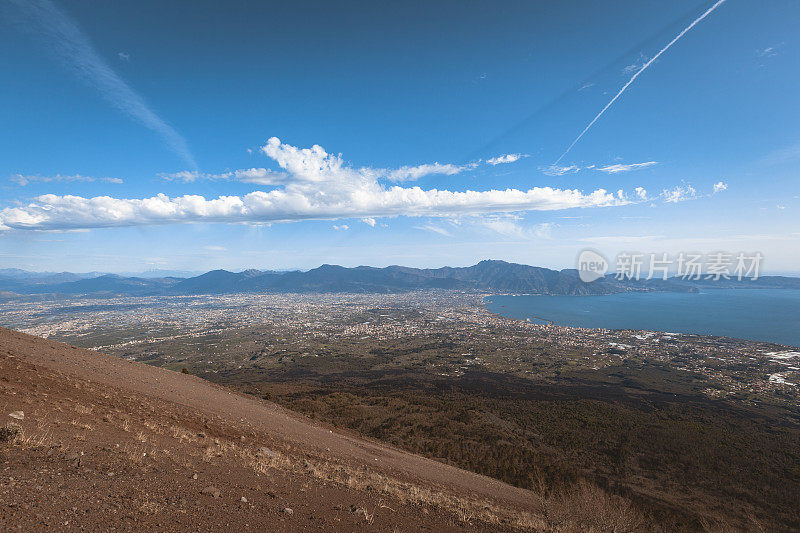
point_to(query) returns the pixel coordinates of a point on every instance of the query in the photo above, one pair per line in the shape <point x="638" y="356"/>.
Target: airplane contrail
<point x="650" y="62"/>
<point x="65" y="39"/>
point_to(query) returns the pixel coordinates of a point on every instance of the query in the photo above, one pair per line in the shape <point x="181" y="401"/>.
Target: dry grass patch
<point x="82" y="409"/>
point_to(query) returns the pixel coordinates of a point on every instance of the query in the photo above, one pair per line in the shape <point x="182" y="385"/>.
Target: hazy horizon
<point x="192" y="273"/>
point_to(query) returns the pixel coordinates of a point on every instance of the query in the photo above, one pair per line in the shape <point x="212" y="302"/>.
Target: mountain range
<point x="487" y="276"/>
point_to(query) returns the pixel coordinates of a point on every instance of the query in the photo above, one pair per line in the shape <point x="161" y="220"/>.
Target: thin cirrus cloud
<point x="507" y="158"/>
<point x="259" y="176"/>
<point x="263" y="176"/>
<point x="509" y="226"/>
<point x="616" y="169"/>
<point x="411" y="173"/>
<point x="318" y="186"/>
<point x="25" y="179"/>
<point x="560" y="170"/>
<point x="434" y="229"/>
<point x="64" y="39"/>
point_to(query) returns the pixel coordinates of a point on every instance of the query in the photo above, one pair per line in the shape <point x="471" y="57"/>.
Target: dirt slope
<point x="108" y="443"/>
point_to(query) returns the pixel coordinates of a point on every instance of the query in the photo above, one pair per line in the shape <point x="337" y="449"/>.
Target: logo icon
<point x="591" y="265"/>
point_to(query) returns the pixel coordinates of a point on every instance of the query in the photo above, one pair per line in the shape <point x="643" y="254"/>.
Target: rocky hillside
<point x="91" y="442"/>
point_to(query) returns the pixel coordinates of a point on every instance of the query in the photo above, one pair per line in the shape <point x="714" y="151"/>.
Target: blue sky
<point x="138" y="135"/>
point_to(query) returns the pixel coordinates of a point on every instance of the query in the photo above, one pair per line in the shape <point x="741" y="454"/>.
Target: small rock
<point x="243" y="500"/>
<point x="266" y="452"/>
<point x="202" y="435"/>
<point x="288" y="511"/>
<point x="18" y="415"/>
<point x="212" y="490"/>
<point x="194" y="476"/>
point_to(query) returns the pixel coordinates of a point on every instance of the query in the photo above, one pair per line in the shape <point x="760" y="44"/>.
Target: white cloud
<point x="641" y="193"/>
<point x="507" y="158"/>
<point x="215" y="248"/>
<point x="769" y="51"/>
<point x="555" y="170"/>
<point x="318" y="186"/>
<point x="681" y="193"/>
<point x="508" y="226"/>
<point x="505" y="224"/>
<point x="511" y="228"/>
<point x="124" y="57"/>
<point x="410" y="173"/>
<point x="559" y="170"/>
<point x="263" y="176"/>
<point x="720" y="186"/>
<point x="22" y="180"/>
<point x="260" y="176"/>
<point x="543" y="230"/>
<point x="64" y="38"/>
<point x="636" y="65"/>
<point x="368" y="221"/>
<point x="615" y="169"/>
<point x="342" y="227"/>
<point x="434" y="229"/>
<point x="186" y="176"/>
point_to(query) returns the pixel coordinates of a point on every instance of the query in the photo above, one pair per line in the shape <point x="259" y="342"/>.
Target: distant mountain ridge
<point x="487" y="276"/>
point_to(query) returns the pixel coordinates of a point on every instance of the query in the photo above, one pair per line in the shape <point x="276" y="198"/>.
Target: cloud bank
<point x="316" y="186"/>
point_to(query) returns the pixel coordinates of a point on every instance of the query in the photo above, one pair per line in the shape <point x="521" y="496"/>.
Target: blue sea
<point x="771" y="315"/>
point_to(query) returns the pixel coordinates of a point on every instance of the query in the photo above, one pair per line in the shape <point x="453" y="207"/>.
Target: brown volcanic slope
<point x="107" y="443"/>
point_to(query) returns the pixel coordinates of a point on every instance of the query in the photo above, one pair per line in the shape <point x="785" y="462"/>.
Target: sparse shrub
<point x="185" y="370"/>
<point x="10" y="432"/>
